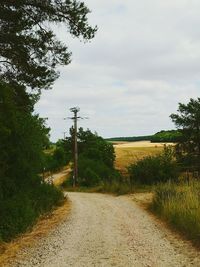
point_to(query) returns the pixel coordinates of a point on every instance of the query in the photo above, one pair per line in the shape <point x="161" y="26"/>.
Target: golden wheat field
<point x="129" y="152"/>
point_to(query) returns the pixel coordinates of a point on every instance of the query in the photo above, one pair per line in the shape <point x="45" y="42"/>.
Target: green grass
<point x="117" y="188"/>
<point x="179" y="205"/>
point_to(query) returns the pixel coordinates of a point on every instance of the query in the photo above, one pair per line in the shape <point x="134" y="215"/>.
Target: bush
<point x="91" y="178"/>
<point x="93" y="172"/>
<point x="180" y="206"/>
<point x="154" y="169"/>
<point x="21" y="210"/>
<point x="55" y="161"/>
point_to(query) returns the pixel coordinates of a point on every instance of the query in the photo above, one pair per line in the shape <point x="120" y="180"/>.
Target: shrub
<point x="154" y="169"/>
<point x="56" y="160"/>
<point x="21" y="210"/>
<point x="89" y="178"/>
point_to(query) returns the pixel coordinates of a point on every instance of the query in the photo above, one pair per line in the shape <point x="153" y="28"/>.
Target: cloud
<point x="144" y="59"/>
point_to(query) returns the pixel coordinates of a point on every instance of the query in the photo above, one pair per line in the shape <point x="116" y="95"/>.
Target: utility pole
<point x="75" y="110"/>
<point x="75" y="118"/>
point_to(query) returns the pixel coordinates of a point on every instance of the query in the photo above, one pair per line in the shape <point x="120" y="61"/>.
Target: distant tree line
<point x="171" y="136"/>
<point x="130" y="139"/>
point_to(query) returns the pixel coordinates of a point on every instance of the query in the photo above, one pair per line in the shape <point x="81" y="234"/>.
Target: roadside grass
<point x="179" y="206"/>
<point x="124" y="187"/>
<point x="115" y="187"/>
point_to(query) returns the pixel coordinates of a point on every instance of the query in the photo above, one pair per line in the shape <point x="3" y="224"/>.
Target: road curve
<point x="104" y="230"/>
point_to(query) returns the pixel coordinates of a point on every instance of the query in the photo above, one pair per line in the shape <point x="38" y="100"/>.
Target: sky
<point x="143" y="61"/>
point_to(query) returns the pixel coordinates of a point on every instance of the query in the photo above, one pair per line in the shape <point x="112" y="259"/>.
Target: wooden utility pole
<point x="75" y="118"/>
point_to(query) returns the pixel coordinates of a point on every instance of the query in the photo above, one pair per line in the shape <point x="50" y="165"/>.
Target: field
<point x="129" y="152"/>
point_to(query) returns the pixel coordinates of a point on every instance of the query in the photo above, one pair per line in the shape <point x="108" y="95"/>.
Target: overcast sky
<point x="144" y="60"/>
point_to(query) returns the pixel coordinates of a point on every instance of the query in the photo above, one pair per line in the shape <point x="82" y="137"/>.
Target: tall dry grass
<point x="180" y="206"/>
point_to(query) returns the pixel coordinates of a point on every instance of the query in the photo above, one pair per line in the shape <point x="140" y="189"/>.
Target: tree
<point x="29" y="54"/>
<point x="188" y="122"/>
<point x="29" y="48"/>
<point x="23" y="138"/>
<point x="92" y="146"/>
<point x="96" y="157"/>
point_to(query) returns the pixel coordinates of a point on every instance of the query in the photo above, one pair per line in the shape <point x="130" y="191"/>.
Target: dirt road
<point x="104" y="230"/>
<point x="58" y="178"/>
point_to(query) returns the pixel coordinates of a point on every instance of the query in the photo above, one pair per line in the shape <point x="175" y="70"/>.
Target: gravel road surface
<point x="104" y="230"/>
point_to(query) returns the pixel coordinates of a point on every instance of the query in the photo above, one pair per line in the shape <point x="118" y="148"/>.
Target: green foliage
<point x="23" y="138"/>
<point x="180" y="206"/>
<point x="21" y="210"/>
<point x="92" y="172"/>
<point x="188" y="122"/>
<point x="96" y="158"/>
<point x="89" y="177"/>
<point x="29" y="48"/>
<point x="56" y="160"/>
<point x="95" y="147"/>
<point x="154" y="169"/>
<point x="29" y="54"/>
<point x="172" y="136"/>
